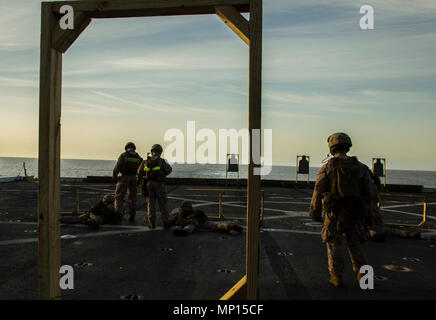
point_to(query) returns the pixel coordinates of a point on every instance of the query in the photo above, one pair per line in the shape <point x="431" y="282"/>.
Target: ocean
<point x="73" y="168"/>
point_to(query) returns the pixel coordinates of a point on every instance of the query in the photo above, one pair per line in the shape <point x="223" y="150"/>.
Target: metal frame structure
<point x="296" y="168"/>
<point x="410" y="196"/>
<point x="384" y="168"/>
<point x="227" y="165"/>
<point x="55" y="41"/>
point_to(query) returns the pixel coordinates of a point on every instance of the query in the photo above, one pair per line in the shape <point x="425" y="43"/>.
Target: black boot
<point x="94" y="222"/>
<point x="236" y="228"/>
<point x="150" y="224"/>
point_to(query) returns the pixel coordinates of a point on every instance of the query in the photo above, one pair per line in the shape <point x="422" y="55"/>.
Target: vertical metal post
<point x="49" y="244"/>
<point x="296" y="171"/>
<point x="220" y="200"/>
<point x="262" y="194"/>
<point x="308" y="170"/>
<point x="254" y="122"/>
<point x="77" y="200"/>
<point x="424" y="217"/>
<point x="238" y="170"/>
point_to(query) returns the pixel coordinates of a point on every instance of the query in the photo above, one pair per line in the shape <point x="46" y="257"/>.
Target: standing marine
<point x="152" y="172"/>
<point x="341" y="200"/>
<point x="188" y="220"/>
<point x="127" y="164"/>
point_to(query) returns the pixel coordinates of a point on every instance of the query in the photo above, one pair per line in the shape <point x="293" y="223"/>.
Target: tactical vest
<point x="152" y="169"/>
<point x="344" y="197"/>
<point x="131" y="163"/>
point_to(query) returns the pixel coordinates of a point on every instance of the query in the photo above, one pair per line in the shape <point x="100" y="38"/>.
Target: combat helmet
<point x="108" y="198"/>
<point x="130" y="145"/>
<point x="339" y="138"/>
<point x="186" y="206"/>
<point x="157" y="148"/>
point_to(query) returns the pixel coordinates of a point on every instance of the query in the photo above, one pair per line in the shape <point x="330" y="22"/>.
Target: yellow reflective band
<point x="152" y="169"/>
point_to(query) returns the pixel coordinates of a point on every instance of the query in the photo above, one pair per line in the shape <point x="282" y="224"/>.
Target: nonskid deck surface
<point x="125" y="259"/>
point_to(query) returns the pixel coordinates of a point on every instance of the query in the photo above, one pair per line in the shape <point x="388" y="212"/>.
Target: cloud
<point x="19" y="25"/>
<point x="126" y="104"/>
<point x="103" y="30"/>
<point x="15" y="82"/>
<point x="283" y="114"/>
<point x="97" y="84"/>
<point x="319" y="102"/>
<point x="217" y="54"/>
<point x="404" y="7"/>
<point x="316" y="62"/>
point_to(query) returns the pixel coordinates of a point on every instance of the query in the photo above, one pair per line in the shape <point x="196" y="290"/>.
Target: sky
<point x="134" y="79"/>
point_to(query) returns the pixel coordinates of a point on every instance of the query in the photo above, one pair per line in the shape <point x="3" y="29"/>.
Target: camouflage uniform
<point x="103" y="212"/>
<point x="188" y="220"/>
<point x="127" y="183"/>
<point x="330" y="234"/>
<point x="155" y="189"/>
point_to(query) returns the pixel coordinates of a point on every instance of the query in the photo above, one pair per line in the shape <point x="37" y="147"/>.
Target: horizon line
<point x="273" y="165"/>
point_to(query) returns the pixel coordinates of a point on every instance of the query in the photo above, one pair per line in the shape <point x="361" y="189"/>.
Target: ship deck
<point x="119" y="260"/>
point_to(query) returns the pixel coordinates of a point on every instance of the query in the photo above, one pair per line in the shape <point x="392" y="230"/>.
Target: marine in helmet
<point x="188" y="220"/>
<point x="127" y="164"/>
<point x="341" y="200"/>
<point x="152" y="173"/>
<point x="102" y="212"/>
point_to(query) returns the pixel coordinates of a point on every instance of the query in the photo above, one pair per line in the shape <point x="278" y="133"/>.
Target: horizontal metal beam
<point x="138" y="8"/>
<point x="154" y="12"/>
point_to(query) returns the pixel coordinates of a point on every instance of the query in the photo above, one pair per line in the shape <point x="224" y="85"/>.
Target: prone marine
<point x="188" y="220"/>
<point x="102" y="212"/>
